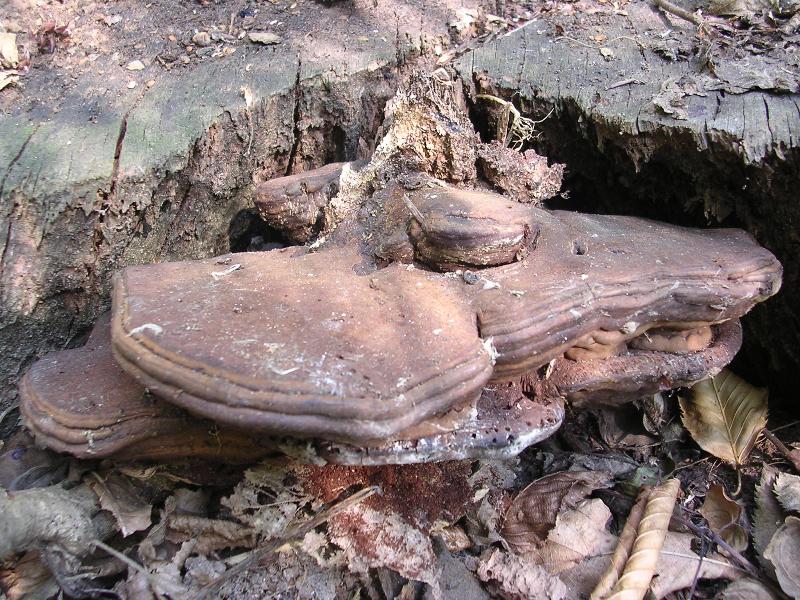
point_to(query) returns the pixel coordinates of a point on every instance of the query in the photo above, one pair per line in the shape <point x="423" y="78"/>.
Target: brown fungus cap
<point x="295" y="204"/>
<point x="597" y="281"/>
<point x="457" y="228"/>
<point x="296" y="343"/>
<point x="81" y="402"/>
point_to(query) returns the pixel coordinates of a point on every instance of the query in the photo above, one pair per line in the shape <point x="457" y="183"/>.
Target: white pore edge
<point x="488" y="345"/>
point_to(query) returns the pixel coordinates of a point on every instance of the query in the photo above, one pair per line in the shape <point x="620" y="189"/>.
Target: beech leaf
<point x="787" y="489"/>
<point x="768" y="514"/>
<point x="725" y="415"/>
<point x="513" y="577"/>
<point x="118" y="495"/>
<point x="747" y="589"/>
<point x="784" y="552"/>
<point x="641" y="565"/>
<point x="723" y="514"/>
<point x="533" y="512"/>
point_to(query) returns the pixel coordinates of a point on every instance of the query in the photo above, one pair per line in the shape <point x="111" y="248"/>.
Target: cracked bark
<point x="129" y="192"/>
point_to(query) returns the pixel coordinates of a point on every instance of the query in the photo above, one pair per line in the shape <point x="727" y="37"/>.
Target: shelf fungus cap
<point x="297" y="343"/>
<point x="594" y="283"/>
<point x="452" y="228"/>
<point x="81" y="402"/>
<point x="295" y="204"/>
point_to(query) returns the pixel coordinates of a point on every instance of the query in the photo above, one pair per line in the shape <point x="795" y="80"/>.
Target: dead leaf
<point x="534" y="511"/>
<point x="623" y="549"/>
<point x="676" y="568"/>
<point x="9" y="56"/>
<point x="787" y="489"/>
<point x="723" y="515"/>
<point x="8" y="77"/>
<point x="118" y="495"/>
<point x="745" y="9"/>
<point x="747" y="589"/>
<point x="768" y="514"/>
<point x="725" y="415"/>
<point x="641" y="565"/>
<point x="577" y="534"/>
<point x="512" y="577"/>
<point x="784" y="552"/>
<point x="209" y="534"/>
<point x="264" y="37"/>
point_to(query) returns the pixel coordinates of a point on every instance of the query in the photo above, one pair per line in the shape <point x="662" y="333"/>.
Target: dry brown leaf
<point x="784" y="552"/>
<point x="676" y="568"/>
<point x="533" y="512"/>
<point x="640" y="568"/>
<point x="725" y="415"/>
<point x="9" y="57"/>
<point x="768" y="515"/>
<point x="623" y="549"/>
<point x="512" y="577"/>
<point x="209" y="534"/>
<point x="747" y="589"/>
<point x="787" y="489"/>
<point x="723" y="514"/>
<point x="119" y="496"/>
<point x="577" y="534"/>
<point x="8" y="77"/>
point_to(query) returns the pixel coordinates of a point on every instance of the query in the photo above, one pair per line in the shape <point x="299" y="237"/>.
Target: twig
<point x="154" y="580"/>
<point x="291" y="534"/>
<point x="782" y="448"/>
<point x="623" y="82"/>
<point x="669" y="7"/>
<point x="708" y="534"/>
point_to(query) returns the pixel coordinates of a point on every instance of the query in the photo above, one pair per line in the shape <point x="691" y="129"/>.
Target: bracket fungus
<point x="81" y="402"/>
<point x="377" y="347"/>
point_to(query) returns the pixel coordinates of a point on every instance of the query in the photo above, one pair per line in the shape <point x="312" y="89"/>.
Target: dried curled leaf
<point x="676" y="568"/>
<point x="623" y="549"/>
<point x="784" y="552"/>
<point x="635" y="579"/>
<point x="512" y="577"/>
<point x="723" y="514"/>
<point x="725" y="415"/>
<point x="120" y="496"/>
<point x="787" y="489"/>
<point x="768" y="515"/>
<point x="578" y="533"/>
<point x="534" y="511"/>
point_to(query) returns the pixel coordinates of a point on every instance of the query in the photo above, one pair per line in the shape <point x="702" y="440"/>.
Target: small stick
<point x="669" y="7"/>
<point x="782" y="448"/>
<point x="735" y="555"/>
